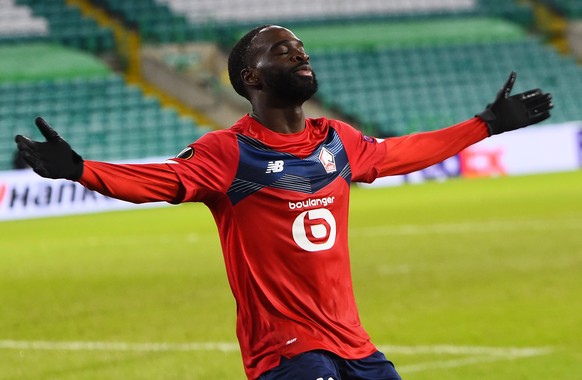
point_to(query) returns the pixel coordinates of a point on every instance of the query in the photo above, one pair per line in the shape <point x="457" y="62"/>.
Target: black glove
<point x="53" y="158"/>
<point x="507" y="113"/>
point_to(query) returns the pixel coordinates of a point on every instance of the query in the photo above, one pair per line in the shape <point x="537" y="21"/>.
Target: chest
<point x="260" y="167"/>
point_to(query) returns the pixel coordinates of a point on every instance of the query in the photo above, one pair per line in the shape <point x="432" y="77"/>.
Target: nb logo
<point x="275" y="166"/>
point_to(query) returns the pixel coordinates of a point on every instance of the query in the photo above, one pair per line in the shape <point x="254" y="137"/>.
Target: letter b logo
<point x="318" y="230"/>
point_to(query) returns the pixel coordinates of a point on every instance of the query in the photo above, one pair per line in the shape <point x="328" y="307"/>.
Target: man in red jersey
<point x="278" y="186"/>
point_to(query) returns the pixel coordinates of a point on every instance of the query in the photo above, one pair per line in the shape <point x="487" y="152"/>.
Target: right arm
<point x="197" y="177"/>
<point x="137" y="183"/>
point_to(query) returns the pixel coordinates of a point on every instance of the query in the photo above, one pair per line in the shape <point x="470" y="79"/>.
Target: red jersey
<point x="280" y="202"/>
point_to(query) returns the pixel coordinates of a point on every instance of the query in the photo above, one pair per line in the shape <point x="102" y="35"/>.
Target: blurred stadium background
<point x="136" y="79"/>
<point x="140" y="78"/>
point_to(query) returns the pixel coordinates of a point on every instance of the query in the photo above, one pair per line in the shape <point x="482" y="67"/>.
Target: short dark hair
<point x="239" y="58"/>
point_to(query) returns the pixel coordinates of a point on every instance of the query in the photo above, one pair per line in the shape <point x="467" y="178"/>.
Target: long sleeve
<point x="137" y="183"/>
<point x="417" y="151"/>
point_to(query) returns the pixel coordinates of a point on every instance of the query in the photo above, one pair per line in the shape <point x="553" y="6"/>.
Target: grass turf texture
<point x="462" y="264"/>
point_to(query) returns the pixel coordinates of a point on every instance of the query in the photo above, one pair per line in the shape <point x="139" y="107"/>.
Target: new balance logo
<point x="275" y="166"/>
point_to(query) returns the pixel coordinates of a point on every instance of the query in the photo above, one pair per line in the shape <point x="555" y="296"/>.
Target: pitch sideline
<point x="473" y="354"/>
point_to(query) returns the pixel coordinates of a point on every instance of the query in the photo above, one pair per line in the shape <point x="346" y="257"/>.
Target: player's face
<point x="283" y="65"/>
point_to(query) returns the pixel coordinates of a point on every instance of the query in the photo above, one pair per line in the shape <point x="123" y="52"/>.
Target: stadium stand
<point x="253" y="10"/>
<point x="42" y="61"/>
<point x="18" y="21"/>
<point x="423" y="82"/>
<point x="102" y="116"/>
<point x="156" y="22"/>
<point x="62" y="24"/>
<point x="217" y="20"/>
<point x="568" y="8"/>
<point x="411" y="65"/>
<point x="392" y="67"/>
<point x="405" y="66"/>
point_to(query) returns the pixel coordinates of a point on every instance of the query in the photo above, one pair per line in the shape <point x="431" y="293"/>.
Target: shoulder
<point x="346" y="131"/>
<point x="339" y="125"/>
<point x="218" y="144"/>
<point x="215" y="139"/>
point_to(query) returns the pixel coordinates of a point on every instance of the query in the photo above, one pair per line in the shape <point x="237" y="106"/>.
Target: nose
<point x="300" y="57"/>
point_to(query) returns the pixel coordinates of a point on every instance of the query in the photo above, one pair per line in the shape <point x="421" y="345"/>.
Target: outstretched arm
<point x="55" y="159"/>
<point x="409" y="153"/>
<point x="406" y="154"/>
<point x="137" y="183"/>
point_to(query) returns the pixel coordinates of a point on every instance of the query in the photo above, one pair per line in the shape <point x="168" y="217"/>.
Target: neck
<point x="281" y="120"/>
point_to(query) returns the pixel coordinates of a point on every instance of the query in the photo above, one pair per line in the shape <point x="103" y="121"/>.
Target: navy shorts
<point x="323" y="365"/>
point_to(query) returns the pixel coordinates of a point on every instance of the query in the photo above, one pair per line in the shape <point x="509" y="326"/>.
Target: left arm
<point x="406" y="154"/>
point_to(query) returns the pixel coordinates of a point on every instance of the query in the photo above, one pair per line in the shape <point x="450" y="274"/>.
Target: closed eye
<point x="282" y="47"/>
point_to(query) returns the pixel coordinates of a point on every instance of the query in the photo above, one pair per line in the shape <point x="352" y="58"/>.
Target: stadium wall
<point x="552" y="148"/>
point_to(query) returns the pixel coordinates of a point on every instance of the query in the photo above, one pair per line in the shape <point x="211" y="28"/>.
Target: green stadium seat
<point x="68" y="26"/>
<point x="571" y="9"/>
<point x="394" y="90"/>
<point x="102" y="117"/>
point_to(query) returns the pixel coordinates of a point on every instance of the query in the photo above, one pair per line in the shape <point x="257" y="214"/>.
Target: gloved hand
<point x="53" y="158"/>
<point x="507" y="113"/>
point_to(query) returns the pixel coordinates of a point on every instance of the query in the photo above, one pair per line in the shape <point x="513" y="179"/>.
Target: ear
<point x="250" y="77"/>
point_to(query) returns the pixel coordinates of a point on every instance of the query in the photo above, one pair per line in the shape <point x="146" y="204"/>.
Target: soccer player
<point x="278" y="186"/>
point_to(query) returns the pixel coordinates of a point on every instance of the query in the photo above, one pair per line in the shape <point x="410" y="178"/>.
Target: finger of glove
<point x="30" y="158"/>
<point x="540" y="117"/>
<point x="36" y="164"/>
<point x="507" y="87"/>
<point x="41" y="171"/>
<point x="24" y="143"/>
<point x="46" y="130"/>
<point x="29" y="154"/>
<point x="534" y="113"/>
<point x="530" y="94"/>
<point x="540" y="104"/>
<point x="544" y="107"/>
<point x="538" y="99"/>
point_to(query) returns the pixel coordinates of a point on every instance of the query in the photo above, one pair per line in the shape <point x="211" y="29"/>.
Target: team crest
<point x="327" y="159"/>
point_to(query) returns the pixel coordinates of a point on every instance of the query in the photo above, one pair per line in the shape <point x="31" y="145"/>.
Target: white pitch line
<point x="466" y="350"/>
<point x="450" y="363"/>
<point x="477" y="354"/>
<point x="230" y="347"/>
<point x="116" y="346"/>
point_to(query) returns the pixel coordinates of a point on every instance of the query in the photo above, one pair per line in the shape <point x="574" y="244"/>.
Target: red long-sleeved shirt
<point x="280" y="202"/>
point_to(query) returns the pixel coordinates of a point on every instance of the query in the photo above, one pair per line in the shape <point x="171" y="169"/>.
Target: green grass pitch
<point x="466" y="279"/>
